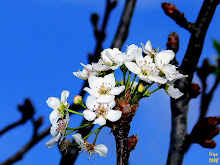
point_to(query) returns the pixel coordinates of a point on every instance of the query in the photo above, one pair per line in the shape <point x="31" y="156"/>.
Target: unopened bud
<point x="141" y="88"/>
<point x="77" y="100"/>
<point x="121" y="83"/>
<point x="146" y="93"/>
<point x="132" y="142"/>
<point x="194" y="90"/>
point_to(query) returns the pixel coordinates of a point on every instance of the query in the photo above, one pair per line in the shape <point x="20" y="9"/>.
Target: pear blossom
<point x="100" y="112"/>
<point x="145" y="69"/>
<point x="91" y="149"/>
<point x="108" y="56"/>
<point x="103" y="89"/>
<point x="59" y="106"/>
<point x="58" y="130"/>
<point x="107" y="60"/>
<point x="162" y="61"/>
<point x="86" y="72"/>
<point x="147" y="49"/>
<point x="59" y="117"/>
<point x="173" y="92"/>
<point x="130" y="54"/>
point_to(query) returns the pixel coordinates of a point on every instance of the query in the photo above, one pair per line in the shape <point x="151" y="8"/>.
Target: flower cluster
<point x="146" y="63"/>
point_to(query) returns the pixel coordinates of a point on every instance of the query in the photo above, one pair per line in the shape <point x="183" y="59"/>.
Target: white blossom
<point x="86" y="72"/>
<point x="145" y="69"/>
<point x="162" y="61"/>
<point x="130" y="55"/>
<point x="59" y="117"/>
<point x="147" y="49"/>
<point x="91" y="149"/>
<point x="100" y="112"/>
<point x="103" y="89"/>
<point x="58" y="130"/>
<point x="171" y="91"/>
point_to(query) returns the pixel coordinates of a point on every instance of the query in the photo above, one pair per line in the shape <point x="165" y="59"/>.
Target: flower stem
<point x="92" y="132"/>
<point x="155" y="90"/>
<point x="133" y="80"/>
<point x="124" y="72"/>
<point x="97" y="135"/>
<point x="75" y="112"/>
<point x="74" y="129"/>
<point x="128" y="81"/>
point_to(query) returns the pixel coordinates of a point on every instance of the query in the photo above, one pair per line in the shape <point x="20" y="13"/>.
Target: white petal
<point x="95" y="82"/>
<point x="174" y="92"/>
<point x="115" y="66"/>
<point x="100" y="120"/>
<point x="164" y="57"/>
<point x="117" y="90"/>
<point x="54" y="116"/>
<point x="148" y="59"/>
<point x="67" y="118"/>
<point x="120" y="58"/>
<point x="133" y="67"/>
<point x="87" y="67"/>
<point x="89" y="115"/>
<point x="148" y="46"/>
<point x="98" y="67"/>
<point x="64" y="95"/>
<point x="109" y="105"/>
<point x="109" y="80"/>
<point x="158" y="79"/>
<point x="139" y="60"/>
<point x="53" y="141"/>
<point x="101" y="149"/>
<point x="133" y="55"/>
<point x="107" y="57"/>
<point x="53" y="102"/>
<point x="81" y="75"/>
<point x="144" y="78"/>
<point x="104" y="99"/>
<point x="91" y="103"/>
<point x="91" y="92"/>
<point x="78" y="139"/>
<point x="113" y="115"/>
<point x="53" y="130"/>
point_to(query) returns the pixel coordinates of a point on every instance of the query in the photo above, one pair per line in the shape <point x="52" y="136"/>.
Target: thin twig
<point x="19" y="155"/>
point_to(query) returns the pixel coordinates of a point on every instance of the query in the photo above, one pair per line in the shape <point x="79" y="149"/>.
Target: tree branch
<point x="171" y="11"/>
<point x="123" y="28"/>
<point x="180" y="106"/>
<point x="19" y="155"/>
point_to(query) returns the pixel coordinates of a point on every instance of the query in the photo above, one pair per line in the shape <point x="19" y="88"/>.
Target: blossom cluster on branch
<point x="103" y="104"/>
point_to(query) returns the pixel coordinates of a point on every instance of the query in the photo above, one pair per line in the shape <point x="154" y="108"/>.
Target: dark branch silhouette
<point x="180" y="106"/>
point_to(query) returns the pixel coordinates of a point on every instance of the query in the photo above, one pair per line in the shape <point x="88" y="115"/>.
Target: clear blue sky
<point x="43" y="41"/>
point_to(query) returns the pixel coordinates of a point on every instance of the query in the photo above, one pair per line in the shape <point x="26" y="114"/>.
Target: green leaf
<point x="216" y="45"/>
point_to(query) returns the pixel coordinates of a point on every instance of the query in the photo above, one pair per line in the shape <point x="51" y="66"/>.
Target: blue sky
<point x="43" y="41"/>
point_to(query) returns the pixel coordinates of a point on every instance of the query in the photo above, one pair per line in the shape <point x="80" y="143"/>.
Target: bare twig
<point x="171" y="11"/>
<point x="123" y="28"/>
<point x="19" y="155"/>
<point x="180" y="106"/>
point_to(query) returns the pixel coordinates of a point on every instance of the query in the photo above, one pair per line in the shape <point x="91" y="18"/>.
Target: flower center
<point x="103" y="90"/>
<point x="101" y="111"/>
<point x="148" y="69"/>
<point x="88" y="73"/>
<point x="61" y="125"/>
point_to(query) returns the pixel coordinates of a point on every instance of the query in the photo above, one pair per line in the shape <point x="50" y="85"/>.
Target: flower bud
<point x="77" y="100"/>
<point x="194" y="90"/>
<point x="146" y="93"/>
<point x="141" y="88"/>
<point x="132" y="142"/>
<point x="121" y="83"/>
